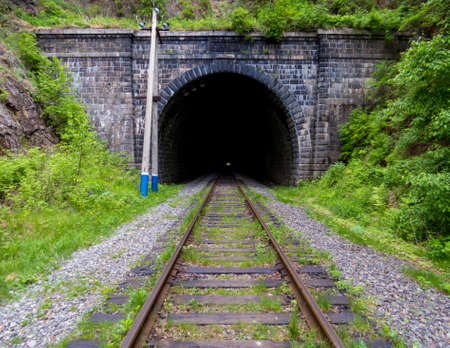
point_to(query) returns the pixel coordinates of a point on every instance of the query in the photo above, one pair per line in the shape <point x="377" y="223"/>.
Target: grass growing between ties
<point x="112" y="334"/>
<point x="258" y="289"/>
<point x="243" y="331"/>
<point x="363" y="327"/>
<point x="267" y="304"/>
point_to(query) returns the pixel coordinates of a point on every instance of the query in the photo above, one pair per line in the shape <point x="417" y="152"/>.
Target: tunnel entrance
<point x="225" y="121"/>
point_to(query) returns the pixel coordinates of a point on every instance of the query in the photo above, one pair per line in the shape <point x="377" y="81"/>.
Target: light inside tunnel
<point x="225" y="121"/>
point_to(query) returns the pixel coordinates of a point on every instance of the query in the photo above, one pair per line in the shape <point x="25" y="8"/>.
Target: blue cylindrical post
<point x="154" y="183"/>
<point x="144" y="184"/>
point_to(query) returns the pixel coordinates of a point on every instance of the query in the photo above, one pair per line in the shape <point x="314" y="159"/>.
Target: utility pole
<point x="154" y="151"/>
<point x="151" y="117"/>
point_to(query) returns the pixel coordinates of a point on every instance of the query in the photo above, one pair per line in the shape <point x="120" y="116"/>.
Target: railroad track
<point x="229" y="284"/>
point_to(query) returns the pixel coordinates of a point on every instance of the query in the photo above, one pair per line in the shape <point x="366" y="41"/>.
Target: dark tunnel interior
<point x="221" y="119"/>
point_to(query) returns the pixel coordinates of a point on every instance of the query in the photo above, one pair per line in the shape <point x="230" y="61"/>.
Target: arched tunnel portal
<point x="225" y="118"/>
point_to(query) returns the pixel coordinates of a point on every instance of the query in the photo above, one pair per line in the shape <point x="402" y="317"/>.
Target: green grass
<point x="36" y="241"/>
<point x="428" y="279"/>
<point x="70" y="196"/>
<point x="241" y="331"/>
<point x="324" y="303"/>
<point x="353" y="221"/>
<point x="254" y="290"/>
<point x="293" y="326"/>
<point x="111" y="334"/>
<point x="267" y="304"/>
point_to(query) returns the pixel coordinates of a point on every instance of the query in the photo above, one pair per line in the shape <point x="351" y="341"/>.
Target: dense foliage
<point x="406" y="138"/>
<point x="396" y="173"/>
<point x="272" y="17"/>
<point x="60" y="110"/>
<point x="53" y="201"/>
<point x="48" y="13"/>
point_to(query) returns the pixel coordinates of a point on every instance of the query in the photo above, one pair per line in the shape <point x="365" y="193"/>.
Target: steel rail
<point x="312" y="309"/>
<point x="312" y="312"/>
<point x="133" y="334"/>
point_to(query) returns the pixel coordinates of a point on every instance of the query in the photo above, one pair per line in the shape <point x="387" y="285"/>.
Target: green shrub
<point x="274" y="18"/>
<point x="426" y="207"/>
<point x="271" y="17"/>
<point x="187" y="9"/>
<point x="428" y="17"/>
<point x="146" y="7"/>
<point x="438" y="248"/>
<point x="25" y="45"/>
<point x="344" y="7"/>
<point x="354" y="135"/>
<point x="53" y="13"/>
<point x="241" y="21"/>
<point x="57" y="200"/>
<point x="60" y="110"/>
<point x="333" y="174"/>
<point x="401" y="149"/>
<point x="307" y="16"/>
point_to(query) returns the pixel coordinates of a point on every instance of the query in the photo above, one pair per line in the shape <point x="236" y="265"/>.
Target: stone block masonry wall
<point x="346" y="62"/>
<point x="100" y="62"/>
<point x="292" y="63"/>
<point x="320" y="77"/>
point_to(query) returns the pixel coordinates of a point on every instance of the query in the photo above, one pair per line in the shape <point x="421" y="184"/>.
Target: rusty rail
<point x="133" y="334"/>
<point x="311" y="310"/>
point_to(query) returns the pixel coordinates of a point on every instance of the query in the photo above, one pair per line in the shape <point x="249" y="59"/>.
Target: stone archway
<point x="269" y="110"/>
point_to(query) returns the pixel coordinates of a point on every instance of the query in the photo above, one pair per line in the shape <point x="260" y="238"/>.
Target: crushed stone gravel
<point x="420" y="316"/>
<point x="50" y="309"/>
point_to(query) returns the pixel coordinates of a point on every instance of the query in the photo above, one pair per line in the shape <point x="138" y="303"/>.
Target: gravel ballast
<point x="420" y="316"/>
<point x="50" y="309"/>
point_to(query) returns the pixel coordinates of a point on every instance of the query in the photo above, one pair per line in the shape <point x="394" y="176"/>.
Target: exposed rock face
<point x="20" y="121"/>
<point x="27" y="5"/>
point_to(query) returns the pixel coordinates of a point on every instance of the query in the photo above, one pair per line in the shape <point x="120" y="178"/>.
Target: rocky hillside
<point x="20" y="121"/>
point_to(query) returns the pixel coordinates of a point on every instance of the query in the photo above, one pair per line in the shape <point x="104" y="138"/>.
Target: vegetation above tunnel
<point x="271" y="17"/>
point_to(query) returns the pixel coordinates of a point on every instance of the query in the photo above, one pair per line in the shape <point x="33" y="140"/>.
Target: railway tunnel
<point x="226" y="121"/>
